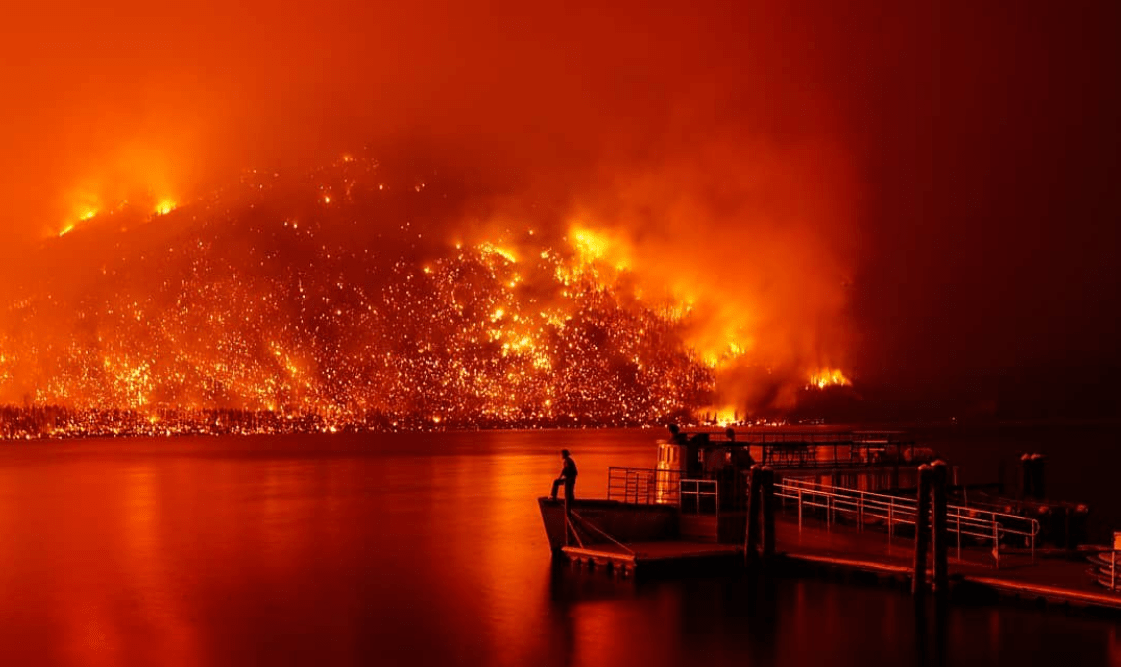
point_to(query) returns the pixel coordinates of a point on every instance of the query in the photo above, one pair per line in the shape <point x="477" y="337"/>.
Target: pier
<point x="796" y="524"/>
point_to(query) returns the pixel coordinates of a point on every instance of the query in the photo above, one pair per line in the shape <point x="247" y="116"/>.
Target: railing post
<point x="1031" y="539"/>
<point x="996" y="543"/>
<point x="958" y="523"/>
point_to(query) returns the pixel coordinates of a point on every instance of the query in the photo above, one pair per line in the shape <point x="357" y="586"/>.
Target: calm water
<point x="427" y="549"/>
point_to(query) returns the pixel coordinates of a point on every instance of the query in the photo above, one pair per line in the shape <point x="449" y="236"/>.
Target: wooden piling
<point x="751" y="539"/>
<point x="767" y="491"/>
<point x="1037" y="477"/>
<point x="939" y="476"/>
<point x="922" y="531"/>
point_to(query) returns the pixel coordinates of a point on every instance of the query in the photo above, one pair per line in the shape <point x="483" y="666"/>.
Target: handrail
<point x="653" y="486"/>
<point x="644" y="486"/>
<point x="961" y="521"/>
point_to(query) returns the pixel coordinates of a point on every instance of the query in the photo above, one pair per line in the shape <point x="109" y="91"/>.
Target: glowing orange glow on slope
<point x="165" y="206"/>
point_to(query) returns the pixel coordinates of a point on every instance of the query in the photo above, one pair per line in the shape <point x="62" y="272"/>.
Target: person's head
<point x="564" y="453"/>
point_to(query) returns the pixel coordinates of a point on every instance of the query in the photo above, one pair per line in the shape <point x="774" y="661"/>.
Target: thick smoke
<point x="755" y="242"/>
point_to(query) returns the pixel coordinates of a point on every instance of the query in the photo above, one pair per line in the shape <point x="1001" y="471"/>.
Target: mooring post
<point x="768" y="506"/>
<point x="938" y="503"/>
<point x="922" y="531"/>
<point x="1037" y="477"/>
<point x="1025" y="476"/>
<point x="754" y="500"/>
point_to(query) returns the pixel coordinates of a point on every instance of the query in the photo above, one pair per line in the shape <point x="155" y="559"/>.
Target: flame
<point x="598" y="247"/>
<point x="829" y="377"/>
<point x="165" y="206"/>
<point x="726" y="416"/>
<point x="488" y="248"/>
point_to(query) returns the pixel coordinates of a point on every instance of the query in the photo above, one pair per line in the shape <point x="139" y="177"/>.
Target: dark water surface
<point x="427" y="549"/>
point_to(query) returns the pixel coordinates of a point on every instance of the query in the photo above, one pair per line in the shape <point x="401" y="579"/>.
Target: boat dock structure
<point x="787" y="516"/>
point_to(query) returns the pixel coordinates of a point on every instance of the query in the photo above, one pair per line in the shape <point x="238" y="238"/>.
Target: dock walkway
<point x="1052" y="578"/>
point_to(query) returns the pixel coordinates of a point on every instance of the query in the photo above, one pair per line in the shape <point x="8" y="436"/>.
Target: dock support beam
<point x="939" y="477"/>
<point x="922" y="532"/>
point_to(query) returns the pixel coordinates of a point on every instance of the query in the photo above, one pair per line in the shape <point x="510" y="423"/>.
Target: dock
<point x="820" y="529"/>
<point x="655" y="556"/>
<point x="1053" y="579"/>
<point x="832" y="502"/>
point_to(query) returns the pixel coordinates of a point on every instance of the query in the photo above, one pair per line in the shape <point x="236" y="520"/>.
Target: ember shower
<point x="363" y="294"/>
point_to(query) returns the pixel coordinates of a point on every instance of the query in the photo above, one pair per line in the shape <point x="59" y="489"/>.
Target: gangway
<point x="970" y="524"/>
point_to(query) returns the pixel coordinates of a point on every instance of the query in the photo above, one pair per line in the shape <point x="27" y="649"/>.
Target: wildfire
<point x="828" y="378"/>
<point x="296" y="326"/>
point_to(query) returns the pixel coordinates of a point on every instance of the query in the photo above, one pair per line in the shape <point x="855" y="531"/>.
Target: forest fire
<point x="267" y="313"/>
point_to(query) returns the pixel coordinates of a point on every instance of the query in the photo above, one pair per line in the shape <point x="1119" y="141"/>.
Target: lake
<point x="428" y="549"/>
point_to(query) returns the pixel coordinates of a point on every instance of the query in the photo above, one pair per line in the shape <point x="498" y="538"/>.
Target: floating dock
<point x="816" y="548"/>
<point x="829" y="502"/>
<point x="655" y="556"/>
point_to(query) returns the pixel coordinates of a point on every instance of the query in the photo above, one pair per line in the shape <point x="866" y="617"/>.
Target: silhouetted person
<point x="676" y="435"/>
<point x="567" y="477"/>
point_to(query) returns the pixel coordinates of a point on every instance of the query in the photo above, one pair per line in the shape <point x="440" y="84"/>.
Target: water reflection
<point x="420" y="549"/>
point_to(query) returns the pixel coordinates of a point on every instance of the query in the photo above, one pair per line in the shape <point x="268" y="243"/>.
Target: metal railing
<point x="651" y="486"/>
<point x="973" y="524"/>
<point x="644" y="486"/>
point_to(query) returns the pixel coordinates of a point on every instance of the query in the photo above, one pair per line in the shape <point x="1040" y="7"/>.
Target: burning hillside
<point x="338" y="294"/>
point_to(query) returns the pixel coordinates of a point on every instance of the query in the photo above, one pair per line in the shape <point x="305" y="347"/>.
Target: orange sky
<point x="107" y="97"/>
<point x="978" y="145"/>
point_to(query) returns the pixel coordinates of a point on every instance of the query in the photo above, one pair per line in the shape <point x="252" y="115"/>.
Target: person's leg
<point x="556" y="485"/>
<point x="569" y="488"/>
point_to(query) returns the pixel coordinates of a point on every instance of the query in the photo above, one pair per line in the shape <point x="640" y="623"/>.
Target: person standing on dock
<point x="567" y="477"/>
